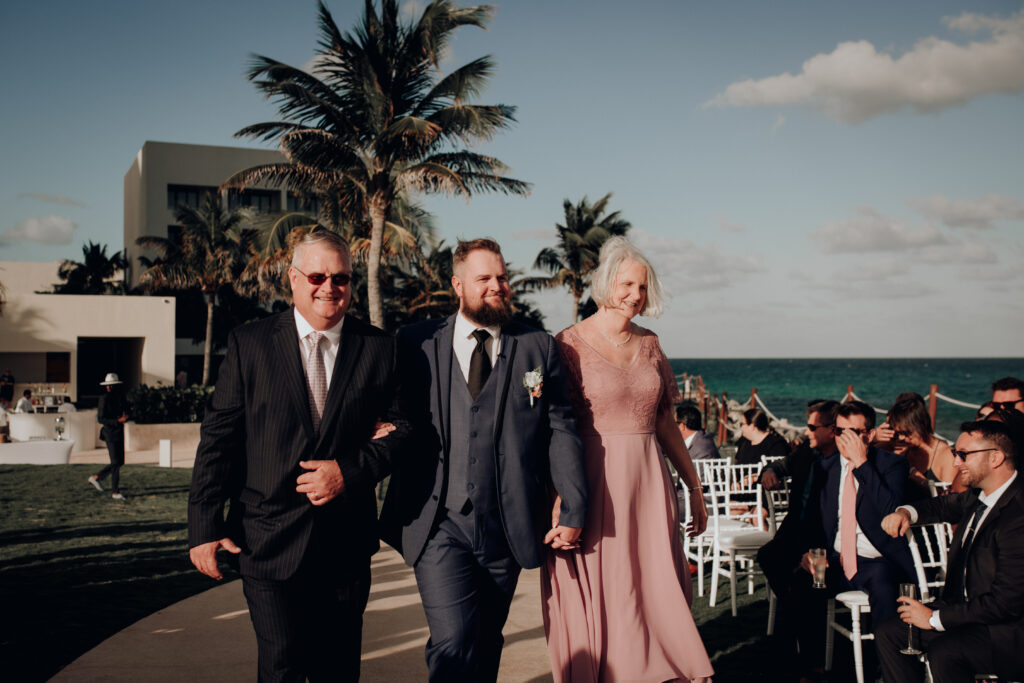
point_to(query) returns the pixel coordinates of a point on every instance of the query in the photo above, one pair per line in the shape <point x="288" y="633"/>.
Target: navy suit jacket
<point x="881" y="482"/>
<point x="536" y="448"/>
<point x="995" y="571"/>
<point x="258" y="427"/>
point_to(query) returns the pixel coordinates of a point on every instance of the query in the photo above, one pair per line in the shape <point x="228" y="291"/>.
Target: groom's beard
<point x="493" y="311"/>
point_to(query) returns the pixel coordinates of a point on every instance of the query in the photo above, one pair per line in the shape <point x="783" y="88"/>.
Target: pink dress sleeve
<point x="670" y="394"/>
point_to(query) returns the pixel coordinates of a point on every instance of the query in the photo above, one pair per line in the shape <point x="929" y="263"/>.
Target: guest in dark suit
<point x="697" y="441"/>
<point x="977" y="625"/>
<point x="865" y="484"/>
<point x="288" y="440"/>
<point x="470" y="502"/>
<point x="112" y="413"/>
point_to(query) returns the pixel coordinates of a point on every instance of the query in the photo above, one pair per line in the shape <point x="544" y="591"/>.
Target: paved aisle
<point x="209" y="637"/>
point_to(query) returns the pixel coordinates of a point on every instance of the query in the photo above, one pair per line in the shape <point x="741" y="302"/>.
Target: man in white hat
<point x="112" y="413"/>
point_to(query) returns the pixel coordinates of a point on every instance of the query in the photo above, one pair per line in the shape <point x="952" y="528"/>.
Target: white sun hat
<point x="111" y="379"/>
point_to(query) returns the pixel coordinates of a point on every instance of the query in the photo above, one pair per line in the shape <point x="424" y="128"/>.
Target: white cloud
<point x="875" y="269"/>
<point x="871" y="230"/>
<point x="983" y="274"/>
<point x="969" y="213"/>
<point x="51" y="198"/>
<point x="44" y="229"/>
<point x="684" y="266"/>
<point x="856" y="82"/>
<point x="727" y="226"/>
<point x="956" y="252"/>
<point x="780" y="121"/>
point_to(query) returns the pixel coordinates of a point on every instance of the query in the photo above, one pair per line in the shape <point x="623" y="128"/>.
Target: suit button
<point x="472" y="434"/>
<point x="472" y="461"/>
<point x="434" y="497"/>
<point x="470" y="486"/>
<point x="476" y="409"/>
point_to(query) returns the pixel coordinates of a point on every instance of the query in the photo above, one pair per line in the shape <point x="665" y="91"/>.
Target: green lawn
<point x="77" y="567"/>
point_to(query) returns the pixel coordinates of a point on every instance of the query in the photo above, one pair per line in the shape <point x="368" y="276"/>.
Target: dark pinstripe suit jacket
<point x="257" y="429"/>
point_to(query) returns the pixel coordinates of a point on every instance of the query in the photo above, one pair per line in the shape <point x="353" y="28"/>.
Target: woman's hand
<point x="556" y="511"/>
<point x="698" y="514"/>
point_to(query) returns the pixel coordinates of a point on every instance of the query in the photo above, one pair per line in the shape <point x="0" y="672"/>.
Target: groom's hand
<point x="204" y="556"/>
<point x="322" y="483"/>
<point x="563" y="538"/>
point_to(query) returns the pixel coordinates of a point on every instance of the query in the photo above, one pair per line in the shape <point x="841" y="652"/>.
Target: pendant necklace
<point x="612" y="341"/>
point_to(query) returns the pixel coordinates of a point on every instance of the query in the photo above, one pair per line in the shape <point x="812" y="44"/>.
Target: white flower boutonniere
<point x="534" y="383"/>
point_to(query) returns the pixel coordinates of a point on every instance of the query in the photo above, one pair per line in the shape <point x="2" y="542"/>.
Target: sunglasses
<point x="900" y="433"/>
<point x="855" y="430"/>
<point x="317" y="279"/>
<point x="814" y="428"/>
<point x="963" y="454"/>
<point x="1006" y="405"/>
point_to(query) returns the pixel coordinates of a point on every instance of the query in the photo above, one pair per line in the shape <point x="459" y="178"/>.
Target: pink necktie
<point x="316" y="376"/>
<point x="848" y="527"/>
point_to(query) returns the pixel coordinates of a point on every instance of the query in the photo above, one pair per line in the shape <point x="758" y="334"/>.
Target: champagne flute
<point x="909" y="590"/>
<point x="818" y="565"/>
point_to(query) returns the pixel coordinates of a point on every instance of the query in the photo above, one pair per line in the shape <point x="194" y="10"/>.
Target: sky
<point x="808" y="179"/>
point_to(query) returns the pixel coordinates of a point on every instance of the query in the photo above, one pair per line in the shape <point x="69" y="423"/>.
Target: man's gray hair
<point x="326" y="238"/>
<point x="602" y="282"/>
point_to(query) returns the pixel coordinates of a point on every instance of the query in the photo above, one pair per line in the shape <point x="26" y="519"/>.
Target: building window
<point x="189" y="195"/>
<point x="58" y="366"/>
<point x="263" y="201"/>
<point x="304" y="203"/>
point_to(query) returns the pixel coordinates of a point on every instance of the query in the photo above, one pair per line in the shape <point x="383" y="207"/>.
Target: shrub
<point x="160" y="405"/>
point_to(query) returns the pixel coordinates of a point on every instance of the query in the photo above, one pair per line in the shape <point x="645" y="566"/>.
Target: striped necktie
<point x="316" y="377"/>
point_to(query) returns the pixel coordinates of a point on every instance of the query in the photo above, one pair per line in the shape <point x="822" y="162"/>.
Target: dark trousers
<point x="115" y="451"/>
<point x="955" y="655"/>
<point x="805" y="612"/>
<point x="310" y="625"/>
<point x="466" y="577"/>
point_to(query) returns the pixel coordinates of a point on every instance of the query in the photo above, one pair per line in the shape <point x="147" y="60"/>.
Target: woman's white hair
<point x="602" y="282"/>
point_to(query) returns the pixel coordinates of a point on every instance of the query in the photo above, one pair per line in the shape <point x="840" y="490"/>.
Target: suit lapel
<point x="349" y="351"/>
<point x="441" y="359"/>
<point x="288" y="358"/>
<point x="506" y="359"/>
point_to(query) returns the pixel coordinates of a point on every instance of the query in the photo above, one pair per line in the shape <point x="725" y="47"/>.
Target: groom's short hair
<point x="463" y="249"/>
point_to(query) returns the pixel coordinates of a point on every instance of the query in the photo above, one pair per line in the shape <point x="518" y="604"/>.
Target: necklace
<point x="612" y="341"/>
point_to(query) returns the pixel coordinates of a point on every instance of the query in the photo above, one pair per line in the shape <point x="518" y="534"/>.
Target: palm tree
<point x="374" y="121"/>
<point x="571" y="261"/>
<point x="94" y="274"/>
<point x="210" y="254"/>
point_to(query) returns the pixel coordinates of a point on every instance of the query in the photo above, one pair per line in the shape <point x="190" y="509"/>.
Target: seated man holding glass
<point x="977" y="625"/>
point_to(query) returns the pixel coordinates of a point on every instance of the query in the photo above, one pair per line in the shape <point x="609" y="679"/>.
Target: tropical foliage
<point x="573" y="258"/>
<point x="96" y="273"/>
<point x="211" y="252"/>
<point x="373" y="122"/>
<point x="160" y="405"/>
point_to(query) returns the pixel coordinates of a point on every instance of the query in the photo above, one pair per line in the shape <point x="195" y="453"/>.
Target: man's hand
<point x="885" y="432"/>
<point x="563" y="538"/>
<point x="852" y="448"/>
<point x="382" y="429"/>
<point x="896" y="523"/>
<point x="769" y="479"/>
<point x="807" y="563"/>
<point x="204" y="556"/>
<point x="914" y="613"/>
<point x="122" y="419"/>
<point x="322" y="483"/>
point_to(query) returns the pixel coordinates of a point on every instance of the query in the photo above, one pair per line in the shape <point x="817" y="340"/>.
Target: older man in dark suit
<point x="977" y="625"/>
<point x="470" y="503"/>
<point x="288" y="440"/>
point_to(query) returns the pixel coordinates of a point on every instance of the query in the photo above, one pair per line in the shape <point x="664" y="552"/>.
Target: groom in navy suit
<point x="470" y="501"/>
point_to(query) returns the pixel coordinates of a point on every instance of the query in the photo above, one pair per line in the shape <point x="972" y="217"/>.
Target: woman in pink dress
<point x="616" y="608"/>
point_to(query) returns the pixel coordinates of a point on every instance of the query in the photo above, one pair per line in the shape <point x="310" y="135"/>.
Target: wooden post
<point x="704" y="407"/>
<point x="933" y="403"/>
<point x="753" y="397"/>
<point x="849" y="393"/>
<point x="723" y="417"/>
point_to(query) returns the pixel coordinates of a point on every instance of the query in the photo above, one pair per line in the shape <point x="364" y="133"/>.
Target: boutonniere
<point x="534" y="383"/>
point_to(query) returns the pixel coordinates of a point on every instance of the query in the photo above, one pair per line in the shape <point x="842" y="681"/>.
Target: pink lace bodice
<point x="609" y="399"/>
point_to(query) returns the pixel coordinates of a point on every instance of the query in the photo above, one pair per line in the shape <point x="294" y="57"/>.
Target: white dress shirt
<point x="464" y="342"/>
<point x="864" y="546"/>
<point x="689" y="440"/>
<point x="330" y="349"/>
<point x="990" y="501"/>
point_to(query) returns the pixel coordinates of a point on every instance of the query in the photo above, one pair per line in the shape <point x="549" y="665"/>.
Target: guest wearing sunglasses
<point x="1008" y="394"/>
<point x="930" y="458"/>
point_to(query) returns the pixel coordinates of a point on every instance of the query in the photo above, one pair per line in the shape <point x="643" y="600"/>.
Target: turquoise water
<point x="786" y="385"/>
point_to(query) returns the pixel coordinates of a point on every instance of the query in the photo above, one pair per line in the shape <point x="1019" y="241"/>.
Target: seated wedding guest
<point x="930" y="458"/>
<point x="861" y="486"/>
<point x="697" y="441"/>
<point x="758" y="439"/>
<point x="884" y="436"/>
<point x="25" y="403"/>
<point x="1008" y="393"/>
<point x="977" y="624"/>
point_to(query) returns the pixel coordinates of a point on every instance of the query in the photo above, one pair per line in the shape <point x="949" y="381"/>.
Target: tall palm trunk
<point x="208" y="343"/>
<point x="575" y="308"/>
<point x="378" y="211"/>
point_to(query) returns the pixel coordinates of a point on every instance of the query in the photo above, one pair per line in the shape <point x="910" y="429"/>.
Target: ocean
<point x="786" y="385"/>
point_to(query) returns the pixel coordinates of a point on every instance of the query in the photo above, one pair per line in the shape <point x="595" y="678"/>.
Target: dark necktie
<point x="479" y="364"/>
<point x="979" y="510"/>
